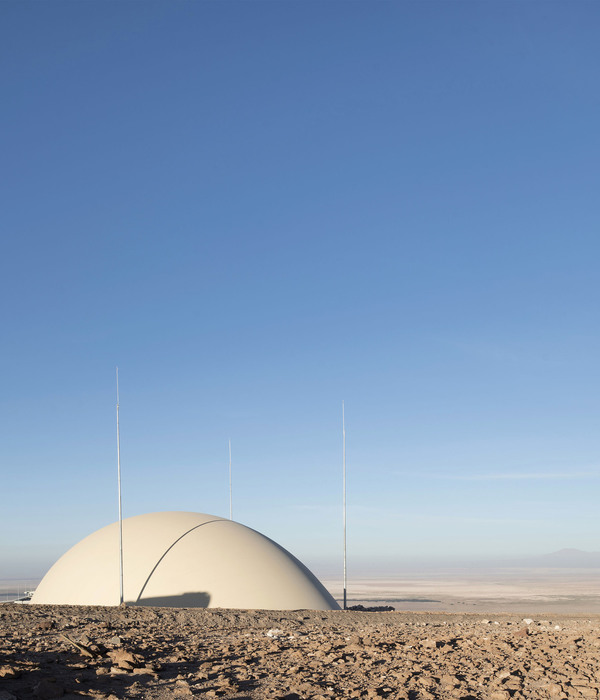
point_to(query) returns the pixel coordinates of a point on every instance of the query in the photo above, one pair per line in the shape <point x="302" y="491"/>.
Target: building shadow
<point x="185" y="600"/>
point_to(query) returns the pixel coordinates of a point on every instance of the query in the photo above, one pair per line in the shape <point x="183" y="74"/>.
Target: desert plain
<point x="493" y="589"/>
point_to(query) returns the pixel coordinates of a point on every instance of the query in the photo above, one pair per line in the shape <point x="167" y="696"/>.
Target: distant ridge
<point x="566" y="558"/>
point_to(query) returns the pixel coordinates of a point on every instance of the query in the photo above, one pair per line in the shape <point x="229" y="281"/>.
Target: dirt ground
<point x="93" y="652"/>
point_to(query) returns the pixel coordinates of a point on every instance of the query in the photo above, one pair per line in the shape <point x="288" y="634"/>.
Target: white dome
<point x="179" y="559"/>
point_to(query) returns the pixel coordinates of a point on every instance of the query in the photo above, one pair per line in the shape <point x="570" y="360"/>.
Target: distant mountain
<point x="567" y="558"/>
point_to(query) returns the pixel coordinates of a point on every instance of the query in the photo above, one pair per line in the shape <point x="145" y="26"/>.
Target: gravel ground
<point x="156" y="653"/>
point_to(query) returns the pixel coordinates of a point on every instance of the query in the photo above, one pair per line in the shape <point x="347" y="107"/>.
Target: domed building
<point x="180" y="559"/>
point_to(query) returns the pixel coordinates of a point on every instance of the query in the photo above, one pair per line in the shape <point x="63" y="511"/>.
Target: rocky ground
<point x="155" y="653"/>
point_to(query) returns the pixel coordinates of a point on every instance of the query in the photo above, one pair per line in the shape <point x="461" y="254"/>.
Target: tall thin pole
<point x="230" y="491"/>
<point x="120" y="503"/>
<point x="344" y="496"/>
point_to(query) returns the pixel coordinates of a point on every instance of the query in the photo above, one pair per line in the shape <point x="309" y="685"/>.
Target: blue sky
<point x="258" y="209"/>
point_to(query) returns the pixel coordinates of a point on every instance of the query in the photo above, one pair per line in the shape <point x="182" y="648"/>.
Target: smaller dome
<point x="180" y="559"/>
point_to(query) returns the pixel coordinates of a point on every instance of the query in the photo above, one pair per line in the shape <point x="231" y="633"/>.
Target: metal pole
<point x="120" y="503"/>
<point x="230" y="492"/>
<point x="344" y="497"/>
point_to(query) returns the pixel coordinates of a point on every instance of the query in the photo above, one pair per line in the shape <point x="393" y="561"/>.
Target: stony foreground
<point x="155" y="653"/>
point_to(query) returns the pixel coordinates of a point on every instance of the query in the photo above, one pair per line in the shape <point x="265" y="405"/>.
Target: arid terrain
<point x="93" y="652"/>
<point x="493" y="590"/>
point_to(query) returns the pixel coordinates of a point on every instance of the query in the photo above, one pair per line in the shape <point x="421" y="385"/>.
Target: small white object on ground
<point x="274" y="632"/>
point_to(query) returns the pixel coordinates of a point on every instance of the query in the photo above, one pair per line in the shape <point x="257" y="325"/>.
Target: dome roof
<point x="180" y="559"/>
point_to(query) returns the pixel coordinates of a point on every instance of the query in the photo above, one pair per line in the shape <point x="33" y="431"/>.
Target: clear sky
<point x="260" y="209"/>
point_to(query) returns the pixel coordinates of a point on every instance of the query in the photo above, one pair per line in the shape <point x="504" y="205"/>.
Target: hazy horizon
<point x="360" y="567"/>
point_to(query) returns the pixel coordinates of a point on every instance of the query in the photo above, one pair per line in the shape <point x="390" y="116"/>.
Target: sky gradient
<point x="258" y="210"/>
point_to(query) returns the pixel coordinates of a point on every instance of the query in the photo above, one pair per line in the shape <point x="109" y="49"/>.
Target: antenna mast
<point x="344" y="495"/>
<point x="120" y="503"/>
<point x="230" y="492"/>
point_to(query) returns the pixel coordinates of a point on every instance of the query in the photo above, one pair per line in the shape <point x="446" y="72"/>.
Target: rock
<point x="97" y="649"/>
<point x="9" y="672"/>
<point x="145" y="671"/>
<point x="119" y="671"/>
<point x="125" y="659"/>
<point x="182" y="687"/>
<point x="447" y="681"/>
